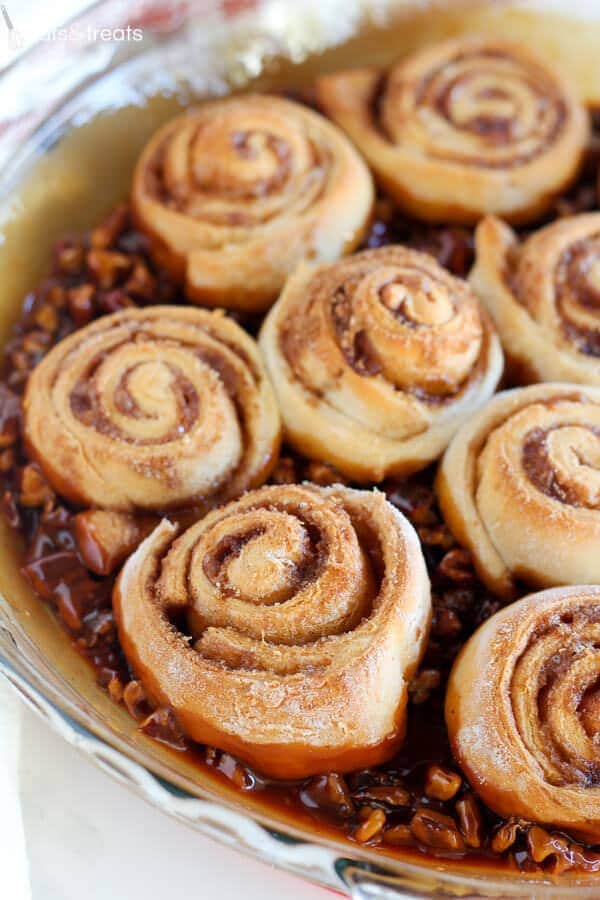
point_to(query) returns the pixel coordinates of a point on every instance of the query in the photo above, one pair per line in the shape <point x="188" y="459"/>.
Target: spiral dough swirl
<point x="544" y="296"/>
<point x="464" y="127"/>
<point x="520" y="486"/>
<point x="523" y="710"/>
<point x="308" y="610"/>
<point x="377" y="359"/>
<point x="235" y="193"/>
<point x="152" y="409"/>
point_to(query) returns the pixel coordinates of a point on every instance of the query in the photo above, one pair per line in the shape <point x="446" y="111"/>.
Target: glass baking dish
<point x="77" y="108"/>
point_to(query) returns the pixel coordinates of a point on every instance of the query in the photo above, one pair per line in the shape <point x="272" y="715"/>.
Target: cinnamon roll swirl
<point x="377" y="359"/>
<point x="522" y="710"/>
<point x="152" y="409"/>
<point x="520" y="487"/>
<point x="463" y="128"/>
<point x="304" y="611"/>
<point x="233" y="194"/>
<point x="544" y="296"/>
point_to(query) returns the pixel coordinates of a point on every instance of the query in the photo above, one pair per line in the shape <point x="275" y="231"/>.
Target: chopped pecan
<point x="371" y="827"/>
<point x="436" y="536"/>
<point x="424" y="682"/>
<point x="414" y="499"/>
<point x="99" y="625"/>
<point x="47" y="318"/>
<point x="445" y="623"/>
<point x="34" y="489"/>
<point x="52" y="534"/>
<point x="457" y="566"/>
<point x="136" y="701"/>
<point x="20" y="361"/>
<point x="69" y="257"/>
<point x="469" y="820"/>
<point x="323" y="474"/>
<point x="582" y="199"/>
<point x="442" y="783"/>
<point x="113" y="301"/>
<point x="60" y="578"/>
<point x="391" y="795"/>
<point x="212" y="756"/>
<point x="436" y="830"/>
<point x="35" y="343"/>
<point x="7" y="460"/>
<point x="285" y="471"/>
<point x="141" y="283"/>
<point x="105" y="538"/>
<point x="398" y="835"/>
<point x="235" y="772"/>
<point x="56" y="295"/>
<point x="453" y="247"/>
<point x="552" y="850"/>
<point x="162" y="725"/>
<point x="81" y="304"/>
<point x="507" y="833"/>
<point x="107" y="267"/>
<point x="107" y="233"/>
<point x="115" y="689"/>
<point x="329" y="792"/>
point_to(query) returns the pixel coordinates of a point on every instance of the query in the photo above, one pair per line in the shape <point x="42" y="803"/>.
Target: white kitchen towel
<point x="13" y="856"/>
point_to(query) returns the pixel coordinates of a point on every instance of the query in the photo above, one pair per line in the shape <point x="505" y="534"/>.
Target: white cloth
<point x="68" y="831"/>
<point x="13" y="868"/>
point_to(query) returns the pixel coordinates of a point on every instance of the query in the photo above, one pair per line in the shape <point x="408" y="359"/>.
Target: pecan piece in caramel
<point x="436" y="830"/>
<point x="105" y="538"/>
<point x="35" y="490"/>
<point x="442" y="783"/>
<point x="371" y="827"/>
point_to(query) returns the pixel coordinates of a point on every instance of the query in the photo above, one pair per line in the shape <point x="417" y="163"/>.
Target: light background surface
<point x="67" y="831"/>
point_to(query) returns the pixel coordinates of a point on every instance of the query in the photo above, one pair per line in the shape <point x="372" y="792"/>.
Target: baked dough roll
<point x="523" y="709"/>
<point x="234" y="193"/>
<point x="377" y="360"/>
<point x="153" y="409"/>
<point x="464" y="127"/>
<point x="308" y="610"/>
<point x="520" y="487"/>
<point x="544" y="296"/>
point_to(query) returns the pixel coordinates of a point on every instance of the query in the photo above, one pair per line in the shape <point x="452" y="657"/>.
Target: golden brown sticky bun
<point x="523" y="707"/>
<point x="233" y="194"/>
<point x="544" y="296"/>
<point x="308" y="610"/>
<point x="377" y="359"/>
<point x="153" y="409"/>
<point x="520" y="487"/>
<point x="464" y="127"/>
